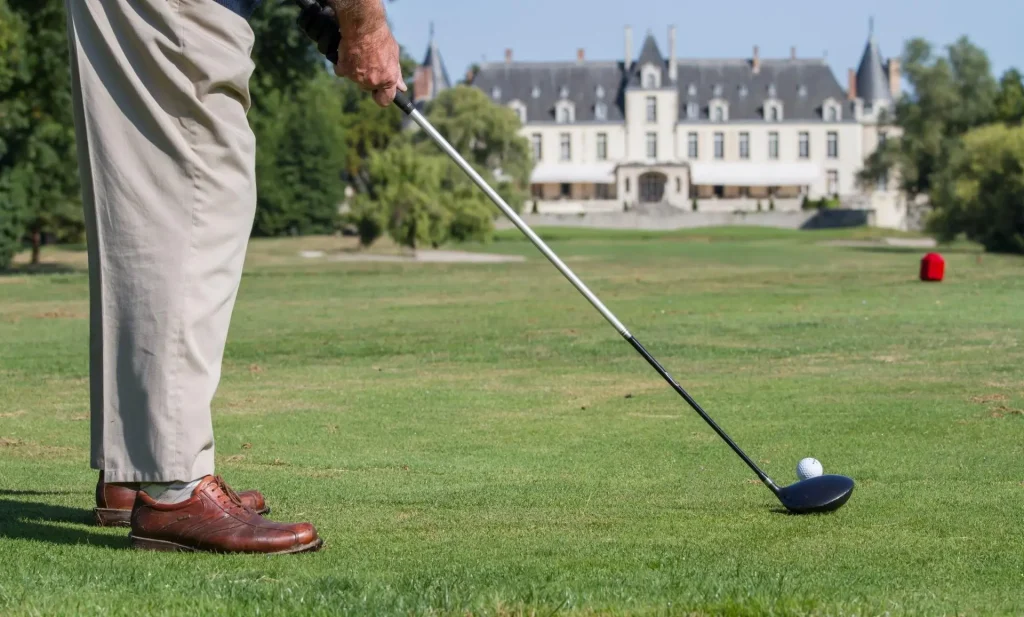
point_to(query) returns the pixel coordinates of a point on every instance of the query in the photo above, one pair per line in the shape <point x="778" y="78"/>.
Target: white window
<point x="600" y="111"/>
<point x="719" y="113"/>
<point x="805" y="144"/>
<point x="651" y="76"/>
<point x="773" y="145"/>
<point x="692" y="110"/>
<point x="565" y="112"/>
<point x="602" y="146"/>
<point x="833" y="145"/>
<point x="565" y="147"/>
<point x="883" y="181"/>
<point x="719" y="145"/>
<point x="691" y="145"/>
<point x="652" y="145"/>
<point x="652" y="109"/>
<point x="833" y="114"/>
<point x="536" y="142"/>
<point x="833" y="182"/>
<point x="520" y="110"/>
<point x="882" y="136"/>
<point x="744" y="145"/>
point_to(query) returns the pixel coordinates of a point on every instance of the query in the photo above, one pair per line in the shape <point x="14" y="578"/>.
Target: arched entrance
<point x="652" y="187"/>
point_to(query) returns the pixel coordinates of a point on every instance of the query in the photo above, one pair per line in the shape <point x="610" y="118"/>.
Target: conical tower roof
<point x="872" y="81"/>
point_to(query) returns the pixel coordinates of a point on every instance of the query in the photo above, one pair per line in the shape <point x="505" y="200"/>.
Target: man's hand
<point x="368" y="54"/>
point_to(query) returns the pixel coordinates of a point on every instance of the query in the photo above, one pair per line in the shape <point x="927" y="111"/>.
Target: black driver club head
<point x="818" y="494"/>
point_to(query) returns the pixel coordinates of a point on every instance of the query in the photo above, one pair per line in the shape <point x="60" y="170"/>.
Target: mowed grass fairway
<point x="476" y="439"/>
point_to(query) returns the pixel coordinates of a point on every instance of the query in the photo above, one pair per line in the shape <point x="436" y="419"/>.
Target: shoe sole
<point x="109" y="517"/>
<point x="148" y="544"/>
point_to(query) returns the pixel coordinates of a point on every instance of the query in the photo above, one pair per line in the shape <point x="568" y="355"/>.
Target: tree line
<point x="316" y="135"/>
<point x="961" y="147"/>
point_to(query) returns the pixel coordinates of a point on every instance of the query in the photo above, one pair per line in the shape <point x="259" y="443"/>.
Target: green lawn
<point x="476" y="439"/>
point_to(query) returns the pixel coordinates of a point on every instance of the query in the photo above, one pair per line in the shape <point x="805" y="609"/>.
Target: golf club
<point x="818" y="494"/>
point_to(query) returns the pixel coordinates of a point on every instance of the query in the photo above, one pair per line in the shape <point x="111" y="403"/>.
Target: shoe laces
<point x="229" y="493"/>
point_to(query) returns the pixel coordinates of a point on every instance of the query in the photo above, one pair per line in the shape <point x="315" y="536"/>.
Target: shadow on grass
<point x="43" y="522"/>
<point x="6" y="492"/>
<point x="39" y="269"/>
<point x="957" y="250"/>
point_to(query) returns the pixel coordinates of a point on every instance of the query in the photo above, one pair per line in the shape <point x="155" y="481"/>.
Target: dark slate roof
<point x="516" y="80"/>
<point x="649" y="54"/>
<point x="438" y="71"/>
<point x="802" y="86"/>
<point x="872" y="81"/>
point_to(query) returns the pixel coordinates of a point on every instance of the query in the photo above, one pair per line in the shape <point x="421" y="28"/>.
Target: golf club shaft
<point x="403" y="103"/>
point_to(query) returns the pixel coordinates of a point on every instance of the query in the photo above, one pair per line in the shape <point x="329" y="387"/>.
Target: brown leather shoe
<point x="214" y="519"/>
<point x="114" y="503"/>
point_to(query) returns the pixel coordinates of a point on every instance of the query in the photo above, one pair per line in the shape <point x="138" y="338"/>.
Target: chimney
<point x="628" y="58"/>
<point x="894" y="78"/>
<point x="508" y="56"/>
<point x="423" y="84"/>
<point x="792" y="53"/>
<point x="579" y="55"/>
<point x="851" y="92"/>
<point x="755" y="64"/>
<point x="673" y="64"/>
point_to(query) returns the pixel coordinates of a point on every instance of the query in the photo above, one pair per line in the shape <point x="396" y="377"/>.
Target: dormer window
<point x="600" y="111"/>
<point x="564" y="92"/>
<point x="691" y="90"/>
<point x="565" y="112"/>
<point x="496" y="93"/>
<point x="773" y="111"/>
<point x="520" y="109"/>
<point x="719" y="111"/>
<point x="536" y="92"/>
<point x="831" y="110"/>
<point x="743" y="92"/>
<point x="650" y="76"/>
<point x="692" y="111"/>
<point x="802" y="91"/>
<point x="599" y="93"/>
<point x="771" y="91"/>
<point x="718" y="90"/>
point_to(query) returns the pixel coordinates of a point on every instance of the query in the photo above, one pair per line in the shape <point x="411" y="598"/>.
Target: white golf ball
<point x="808" y="468"/>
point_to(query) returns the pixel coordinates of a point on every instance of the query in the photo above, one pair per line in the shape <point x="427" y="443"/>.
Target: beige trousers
<point x="167" y="164"/>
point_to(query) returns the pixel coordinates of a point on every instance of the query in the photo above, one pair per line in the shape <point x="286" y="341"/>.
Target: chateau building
<point x="738" y="134"/>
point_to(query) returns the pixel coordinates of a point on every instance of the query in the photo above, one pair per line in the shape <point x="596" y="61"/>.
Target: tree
<point x="299" y="161"/>
<point x="407" y="195"/>
<point x="39" y="145"/>
<point x="982" y="193"/>
<point x="949" y="96"/>
<point x="13" y="68"/>
<point x="1010" y="100"/>
<point x="487" y="136"/>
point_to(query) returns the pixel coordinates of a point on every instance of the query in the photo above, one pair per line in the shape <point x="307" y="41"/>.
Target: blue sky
<point x="468" y="31"/>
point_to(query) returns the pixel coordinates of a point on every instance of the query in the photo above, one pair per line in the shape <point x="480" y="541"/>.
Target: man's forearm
<point x="359" y="16"/>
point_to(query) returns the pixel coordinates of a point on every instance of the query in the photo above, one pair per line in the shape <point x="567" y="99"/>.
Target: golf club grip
<point x="320" y="24"/>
